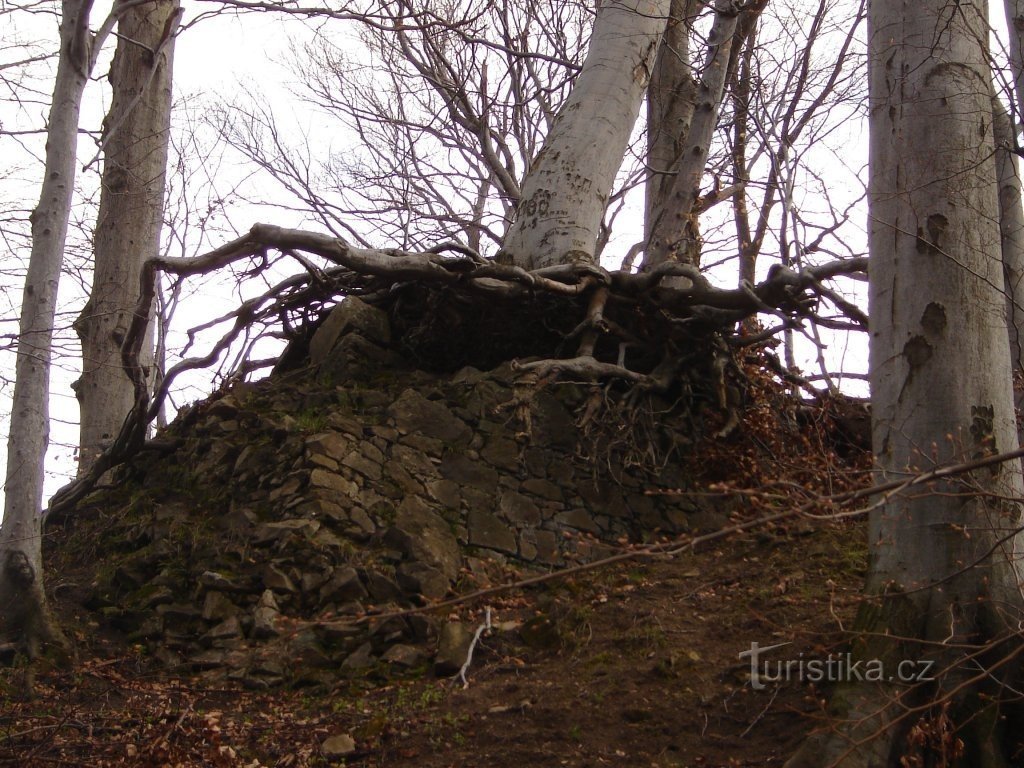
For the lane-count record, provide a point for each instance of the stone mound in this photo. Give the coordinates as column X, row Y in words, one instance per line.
column 252, row 536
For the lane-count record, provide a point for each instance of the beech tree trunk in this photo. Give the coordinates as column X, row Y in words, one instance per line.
column 564, row 194
column 1015, row 27
column 24, row 615
column 674, row 233
column 670, row 99
column 1011, row 229
column 943, row 583
column 135, row 139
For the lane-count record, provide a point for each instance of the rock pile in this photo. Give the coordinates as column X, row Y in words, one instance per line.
column 257, row 529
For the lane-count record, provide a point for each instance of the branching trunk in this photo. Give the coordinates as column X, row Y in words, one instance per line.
column 564, row 195
column 943, row 582
column 674, row 234
column 135, row 140
column 23, row 610
column 670, row 99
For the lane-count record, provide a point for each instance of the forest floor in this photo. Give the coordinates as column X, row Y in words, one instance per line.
column 632, row 665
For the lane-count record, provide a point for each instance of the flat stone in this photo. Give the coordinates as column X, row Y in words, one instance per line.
column 453, row 648
column 371, row 452
column 400, row 475
column 364, row 466
column 421, row 579
column 228, row 629
column 321, row 478
column 312, row 580
column 429, row 446
column 407, row 656
column 462, row 470
column 579, row 519
column 339, row 745
column 270, row 532
column 330, row 444
column 319, row 460
column 279, row 581
column 178, row 613
column 382, row 589
column 351, row 314
column 360, row 658
column 518, row 508
column 327, row 540
column 207, row 659
column 265, row 617
column 343, row 586
column 217, row 607
column 415, row 414
column 501, row 452
column 423, row 535
column 415, row 463
column 486, row 530
column 446, row 493
column 527, row 546
column 543, row 488
column 547, row 547
column 554, row 425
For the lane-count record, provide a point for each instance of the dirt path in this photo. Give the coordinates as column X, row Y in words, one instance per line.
column 634, row 666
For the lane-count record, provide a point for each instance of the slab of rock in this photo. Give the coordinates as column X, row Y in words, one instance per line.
column 422, row 535
column 464, row 471
column 361, row 658
column 330, row 444
column 453, row 648
column 344, row 586
column 351, row 314
column 407, row 656
column 339, row 745
column 414, row 414
column 265, row 616
column 217, row 607
column 486, row 530
column 279, row 581
column 228, row 629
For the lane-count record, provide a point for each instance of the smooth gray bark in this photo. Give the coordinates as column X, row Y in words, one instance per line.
column 1011, row 230
column 564, row 195
column 670, row 99
column 1015, row 27
column 135, row 139
column 674, row 234
column 23, row 610
column 942, row 563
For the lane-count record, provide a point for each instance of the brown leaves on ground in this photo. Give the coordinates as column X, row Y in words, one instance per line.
column 640, row 668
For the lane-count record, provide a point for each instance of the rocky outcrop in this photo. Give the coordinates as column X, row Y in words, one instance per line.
column 256, row 531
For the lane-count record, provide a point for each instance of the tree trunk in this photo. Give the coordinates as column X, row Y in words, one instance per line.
column 564, row 195
column 24, row 614
column 1015, row 28
column 670, row 99
column 943, row 582
column 674, row 234
column 1011, row 228
column 135, row 136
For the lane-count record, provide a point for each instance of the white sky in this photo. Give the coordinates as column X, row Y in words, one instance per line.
column 218, row 58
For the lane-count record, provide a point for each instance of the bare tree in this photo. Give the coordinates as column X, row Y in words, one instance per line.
column 944, row 581
column 1011, row 228
column 23, row 608
column 446, row 106
column 134, row 143
column 565, row 194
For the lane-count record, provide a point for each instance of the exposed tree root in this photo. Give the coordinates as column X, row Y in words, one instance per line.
column 643, row 330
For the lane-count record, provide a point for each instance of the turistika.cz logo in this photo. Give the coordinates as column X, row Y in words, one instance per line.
column 834, row 668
